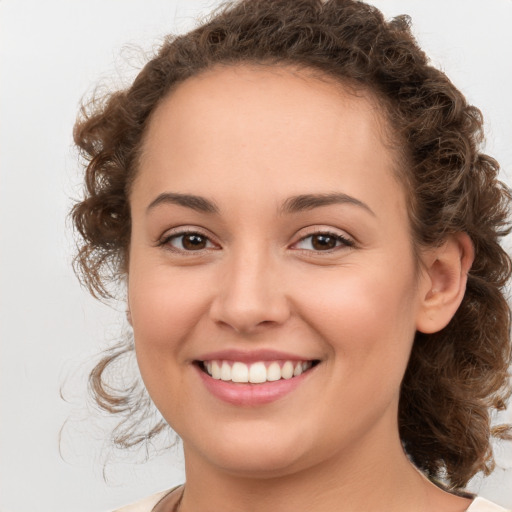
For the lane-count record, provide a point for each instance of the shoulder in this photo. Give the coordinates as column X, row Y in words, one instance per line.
column 483, row 505
column 145, row 505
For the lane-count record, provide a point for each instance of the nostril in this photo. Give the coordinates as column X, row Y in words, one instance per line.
column 249, row 307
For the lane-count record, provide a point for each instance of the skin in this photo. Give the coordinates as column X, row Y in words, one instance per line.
column 247, row 139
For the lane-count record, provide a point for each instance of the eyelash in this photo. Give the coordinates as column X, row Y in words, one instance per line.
column 340, row 240
column 166, row 241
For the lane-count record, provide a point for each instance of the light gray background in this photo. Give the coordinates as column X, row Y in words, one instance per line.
column 52, row 52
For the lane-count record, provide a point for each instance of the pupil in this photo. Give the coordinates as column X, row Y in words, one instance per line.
column 323, row 242
column 194, row 242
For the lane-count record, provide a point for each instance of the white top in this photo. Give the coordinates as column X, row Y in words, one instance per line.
column 483, row 505
column 147, row 504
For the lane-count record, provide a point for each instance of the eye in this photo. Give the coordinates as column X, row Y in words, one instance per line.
column 189, row 241
column 323, row 242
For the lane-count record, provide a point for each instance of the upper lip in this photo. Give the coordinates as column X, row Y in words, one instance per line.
column 251, row 356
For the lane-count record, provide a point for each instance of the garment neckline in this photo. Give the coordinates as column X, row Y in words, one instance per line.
column 178, row 491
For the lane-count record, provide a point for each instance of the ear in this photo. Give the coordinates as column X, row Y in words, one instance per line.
column 443, row 282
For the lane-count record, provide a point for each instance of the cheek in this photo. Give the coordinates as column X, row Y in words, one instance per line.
column 166, row 311
column 165, row 307
column 366, row 318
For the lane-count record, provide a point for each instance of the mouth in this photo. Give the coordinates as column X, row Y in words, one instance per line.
column 258, row 372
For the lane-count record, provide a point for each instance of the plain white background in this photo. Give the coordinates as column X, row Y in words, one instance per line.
column 52, row 53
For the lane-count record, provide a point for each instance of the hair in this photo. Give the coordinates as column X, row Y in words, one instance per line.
column 455, row 377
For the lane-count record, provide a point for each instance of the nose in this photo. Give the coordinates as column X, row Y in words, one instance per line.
column 250, row 295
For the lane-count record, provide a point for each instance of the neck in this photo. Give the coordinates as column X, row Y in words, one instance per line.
column 374, row 476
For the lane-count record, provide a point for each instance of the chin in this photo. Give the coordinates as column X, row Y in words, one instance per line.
column 259, row 464
column 257, row 454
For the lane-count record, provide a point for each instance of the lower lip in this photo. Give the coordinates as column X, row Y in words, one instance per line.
column 243, row 394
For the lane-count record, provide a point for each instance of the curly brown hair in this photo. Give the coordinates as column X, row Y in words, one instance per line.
column 456, row 377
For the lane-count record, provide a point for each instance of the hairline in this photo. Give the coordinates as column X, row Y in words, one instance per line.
column 382, row 107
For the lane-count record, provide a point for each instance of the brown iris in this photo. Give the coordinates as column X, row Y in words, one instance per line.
column 323, row 242
column 194, row 241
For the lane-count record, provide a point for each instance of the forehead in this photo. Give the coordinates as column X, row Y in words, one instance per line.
column 276, row 127
column 256, row 94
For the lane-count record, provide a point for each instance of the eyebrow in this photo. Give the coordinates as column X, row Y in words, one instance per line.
column 197, row 203
column 305, row 202
column 294, row 204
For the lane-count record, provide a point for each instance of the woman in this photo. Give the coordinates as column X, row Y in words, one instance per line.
column 310, row 240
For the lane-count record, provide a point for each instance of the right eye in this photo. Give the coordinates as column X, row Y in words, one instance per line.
column 188, row 241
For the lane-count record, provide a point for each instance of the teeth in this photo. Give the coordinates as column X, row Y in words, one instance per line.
column 255, row 373
column 214, row 370
column 225, row 371
column 287, row 370
column 273, row 372
column 239, row 372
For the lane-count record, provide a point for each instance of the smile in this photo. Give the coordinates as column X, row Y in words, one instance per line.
column 255, row 373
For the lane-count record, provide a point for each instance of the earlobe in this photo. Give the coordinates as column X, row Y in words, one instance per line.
column 443, row 283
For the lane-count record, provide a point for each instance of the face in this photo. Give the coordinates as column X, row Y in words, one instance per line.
column 272, row 285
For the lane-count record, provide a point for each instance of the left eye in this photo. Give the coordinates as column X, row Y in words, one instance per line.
column 323, row 242
column 189, row 242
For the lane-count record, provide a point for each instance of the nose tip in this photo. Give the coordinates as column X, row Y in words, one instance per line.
column 245, row 323
column 249, row 301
